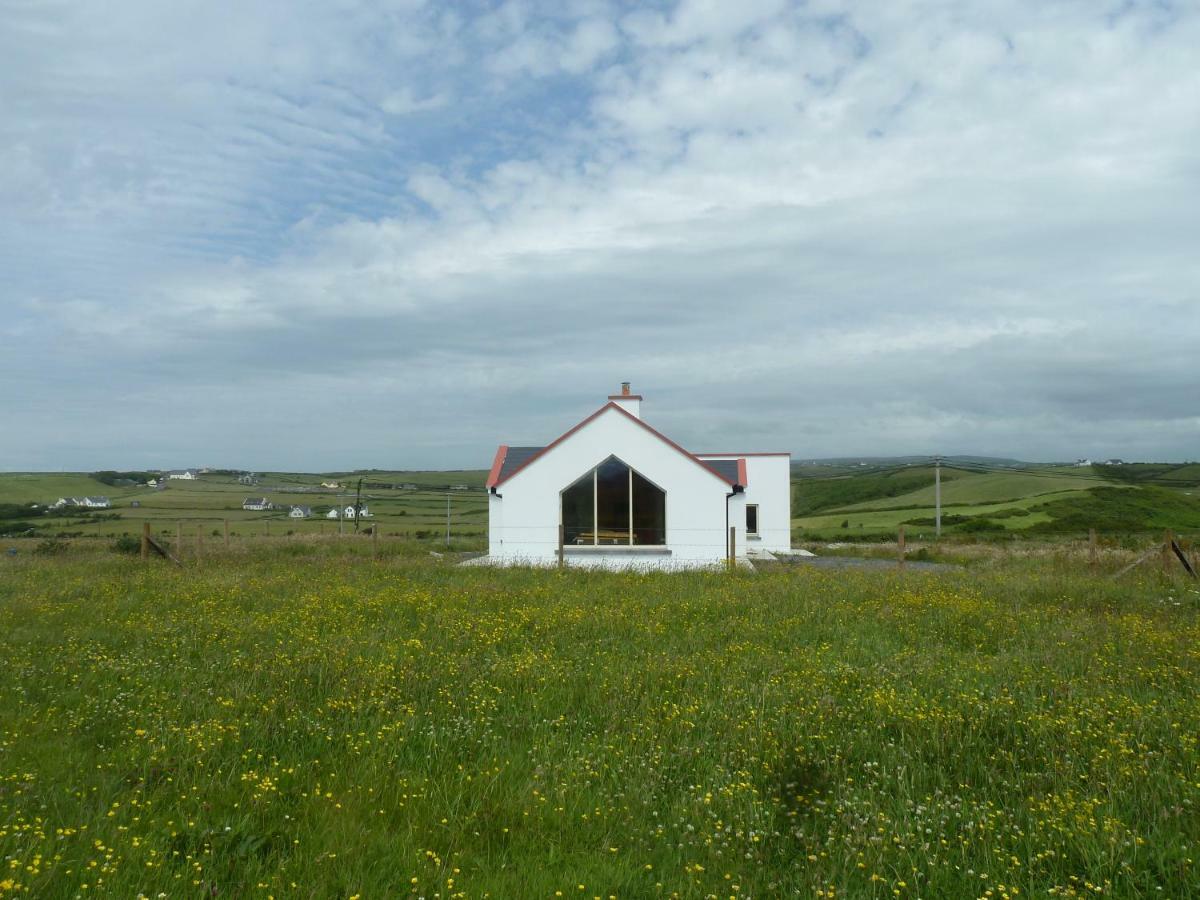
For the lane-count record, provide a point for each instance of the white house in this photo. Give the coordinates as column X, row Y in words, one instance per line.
column 625, row 496
column 95, row 502
column 363, row 513
column 182, row 475
column 300, row 512
column 258, row 504
column 333, row 513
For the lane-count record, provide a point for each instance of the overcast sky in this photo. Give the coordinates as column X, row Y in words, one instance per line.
column 277, row 235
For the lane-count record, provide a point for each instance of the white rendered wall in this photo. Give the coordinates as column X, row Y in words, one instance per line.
column 770, row 486
column 523, row 521
column 495, row 524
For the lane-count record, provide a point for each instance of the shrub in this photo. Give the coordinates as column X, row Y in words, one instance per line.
column 127, row 543
column 51, row 547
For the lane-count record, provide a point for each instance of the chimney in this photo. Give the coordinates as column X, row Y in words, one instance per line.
column 627, row 400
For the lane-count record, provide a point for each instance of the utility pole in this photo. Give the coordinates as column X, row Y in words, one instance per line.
column 937, row 495
column 447, row 518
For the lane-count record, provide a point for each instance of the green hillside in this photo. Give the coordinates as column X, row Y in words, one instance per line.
column 965, row 488
column 1051, row 500
column 1160, row 474
column 841, row 491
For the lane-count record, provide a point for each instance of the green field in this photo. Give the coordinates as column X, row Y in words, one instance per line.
column 1032, row 500
column 205, row 505
column 306, row 721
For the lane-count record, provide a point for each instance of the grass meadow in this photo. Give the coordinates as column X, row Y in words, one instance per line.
column 309, row 721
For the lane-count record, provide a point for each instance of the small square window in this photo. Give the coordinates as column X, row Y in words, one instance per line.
column 751, row 518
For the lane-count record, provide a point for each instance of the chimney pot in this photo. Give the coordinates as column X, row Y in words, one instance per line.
column 625, row 392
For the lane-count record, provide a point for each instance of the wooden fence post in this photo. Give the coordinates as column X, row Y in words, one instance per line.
column 146, row 539
column 1093, row 553
column 732, row 546
column 900, row 546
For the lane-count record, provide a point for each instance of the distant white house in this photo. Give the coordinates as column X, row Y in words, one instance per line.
column 182, row 475
column 153, row 482
column 256, row 504
column 248, row 478
column 300, row 512
column 623, row 495
column 363, row 513
column 330, row 484
column 1082, row 463
column 333, row 513
column 87, row 502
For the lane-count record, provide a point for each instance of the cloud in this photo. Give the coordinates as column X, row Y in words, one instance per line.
column 913, row 227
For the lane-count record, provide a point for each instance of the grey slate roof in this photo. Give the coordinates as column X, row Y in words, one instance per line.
column 727, row 467
column 517, row 457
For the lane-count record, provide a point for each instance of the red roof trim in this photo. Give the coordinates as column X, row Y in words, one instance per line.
column 497, row 463
column 744, row 453
column 742, row 473
column 595, row 415
column 624, row 396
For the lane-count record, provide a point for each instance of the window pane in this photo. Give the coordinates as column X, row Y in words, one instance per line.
column 649, row 512
column 612, row 502
column 751, row 518
column 577, row 512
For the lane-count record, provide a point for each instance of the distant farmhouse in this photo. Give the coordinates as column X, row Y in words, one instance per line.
column 86, row 502
column 248, row 478
column 182, row 475
column 617, row 493
column 333, row 485
column 300, row 512
column 256, row 504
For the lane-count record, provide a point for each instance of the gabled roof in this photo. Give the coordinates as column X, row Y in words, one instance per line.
column 501, row 471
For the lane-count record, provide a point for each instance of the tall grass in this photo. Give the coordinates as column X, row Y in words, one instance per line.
column 283, row 725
